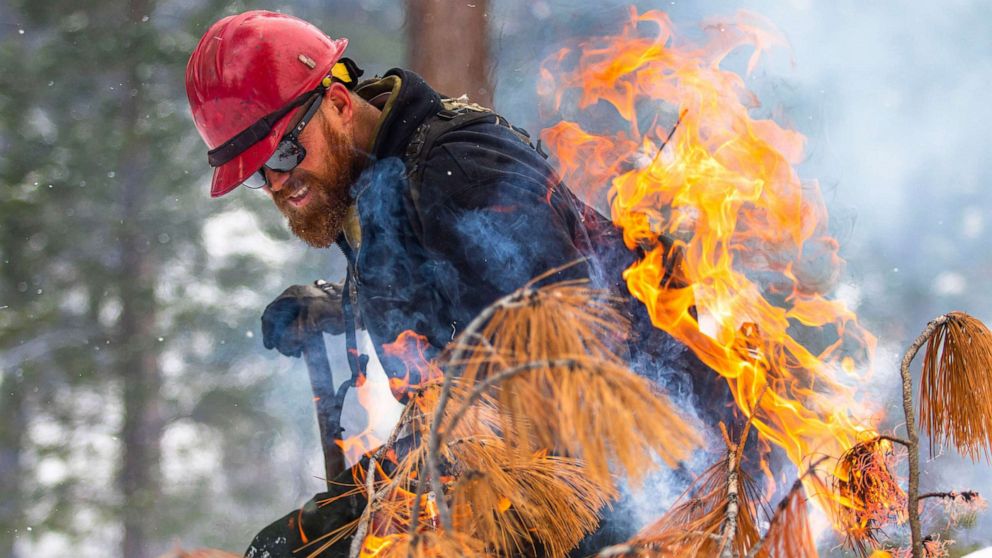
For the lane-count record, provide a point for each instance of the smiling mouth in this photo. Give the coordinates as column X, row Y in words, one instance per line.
column 300, row 197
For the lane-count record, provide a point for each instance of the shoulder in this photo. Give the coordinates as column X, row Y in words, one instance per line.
column 481, row 153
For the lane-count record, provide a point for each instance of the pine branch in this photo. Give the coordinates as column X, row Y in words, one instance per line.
column 363, row 524
column 952, row 495
column 730, row 525
column 913, row 493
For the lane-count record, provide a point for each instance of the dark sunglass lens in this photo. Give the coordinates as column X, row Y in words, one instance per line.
column 287, row 155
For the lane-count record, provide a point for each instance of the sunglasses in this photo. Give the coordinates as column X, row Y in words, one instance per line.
column 289, row 153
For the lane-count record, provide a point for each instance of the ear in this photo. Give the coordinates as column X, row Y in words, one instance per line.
column 339, row 100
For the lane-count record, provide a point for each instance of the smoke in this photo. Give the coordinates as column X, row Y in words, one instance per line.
column 893, row 100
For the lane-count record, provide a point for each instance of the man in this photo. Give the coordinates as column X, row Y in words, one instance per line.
column 441, row 207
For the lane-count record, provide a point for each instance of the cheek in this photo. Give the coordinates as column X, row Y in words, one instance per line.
column 325, row 162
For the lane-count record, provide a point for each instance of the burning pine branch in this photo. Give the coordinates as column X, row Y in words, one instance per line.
column 955, row 409
column 505, row 457
column 492, row 469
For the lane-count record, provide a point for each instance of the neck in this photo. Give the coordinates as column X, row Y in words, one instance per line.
column 366, row 122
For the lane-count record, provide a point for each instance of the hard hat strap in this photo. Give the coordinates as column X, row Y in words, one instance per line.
column 257, row 131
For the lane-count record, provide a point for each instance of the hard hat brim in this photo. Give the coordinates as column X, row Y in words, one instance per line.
column 231, row 174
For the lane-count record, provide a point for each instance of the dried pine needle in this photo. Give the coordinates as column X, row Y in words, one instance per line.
column 869, row 494
column 541, row 506
column 789, row 534
column 694, row 524
column 956, row 387
column 575, row 397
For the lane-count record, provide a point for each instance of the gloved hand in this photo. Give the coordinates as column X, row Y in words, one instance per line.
column 299, row 312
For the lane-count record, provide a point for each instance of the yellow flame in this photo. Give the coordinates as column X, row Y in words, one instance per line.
column 753, row 242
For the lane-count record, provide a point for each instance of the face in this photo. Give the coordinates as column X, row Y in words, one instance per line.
column 315, row 195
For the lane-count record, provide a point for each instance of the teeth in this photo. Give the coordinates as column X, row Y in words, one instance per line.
column 302, row 192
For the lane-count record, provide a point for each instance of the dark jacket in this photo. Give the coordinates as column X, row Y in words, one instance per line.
column 487, row 215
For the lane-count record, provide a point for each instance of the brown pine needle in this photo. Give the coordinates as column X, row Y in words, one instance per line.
column 694, row 525
column 584, row 402
column 870, row 496
column 542, row 506
column 956, row 387
column 789, row 534
column 536, row 408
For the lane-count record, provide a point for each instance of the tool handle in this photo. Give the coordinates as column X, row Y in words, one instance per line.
column 328, row 405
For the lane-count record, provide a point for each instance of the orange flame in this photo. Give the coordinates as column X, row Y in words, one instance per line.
column 410, row 351
column 751, row 236
column 407, row 354
column 354, row 447
column 390, row 521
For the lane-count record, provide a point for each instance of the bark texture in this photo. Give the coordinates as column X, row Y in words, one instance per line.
column 449, row 46
column 137, row 354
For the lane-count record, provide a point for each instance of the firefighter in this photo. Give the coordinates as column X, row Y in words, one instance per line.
column 440, row 206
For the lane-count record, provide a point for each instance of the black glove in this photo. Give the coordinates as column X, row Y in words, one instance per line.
column 323, row 514
column 299, row 312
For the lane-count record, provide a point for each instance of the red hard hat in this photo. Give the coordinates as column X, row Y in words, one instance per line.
column 245, row 67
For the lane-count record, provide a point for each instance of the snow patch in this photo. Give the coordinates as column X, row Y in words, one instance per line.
column 238, row 233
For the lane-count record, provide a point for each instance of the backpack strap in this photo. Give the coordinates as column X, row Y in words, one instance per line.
column 455, row 114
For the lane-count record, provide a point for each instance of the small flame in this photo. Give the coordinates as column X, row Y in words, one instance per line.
column 390, row 521
column 749, row 238
column 374, row 545
column 354, row 447
column 408, row 355
column 409, row 351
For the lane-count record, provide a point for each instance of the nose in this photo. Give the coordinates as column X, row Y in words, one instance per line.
column 274, row 180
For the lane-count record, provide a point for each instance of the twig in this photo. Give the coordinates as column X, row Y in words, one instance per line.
column 433, row 453
column 670, row 134
column 895, row 440
column 952, row 495
column 730, row 526
column 913, row 494
column 735, row 451
column 363, row 526
column 401, row 423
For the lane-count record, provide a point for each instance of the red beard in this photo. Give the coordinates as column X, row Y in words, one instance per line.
column 320, row 221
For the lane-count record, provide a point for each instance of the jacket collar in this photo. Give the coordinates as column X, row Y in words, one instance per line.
column 406, row 101
column 410, row 101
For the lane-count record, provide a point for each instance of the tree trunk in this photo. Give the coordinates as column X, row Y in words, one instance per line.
column 137, row 354
column 13, row 422
column 449, row 46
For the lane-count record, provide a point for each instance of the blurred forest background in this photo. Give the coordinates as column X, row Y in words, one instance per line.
column 137, row 406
